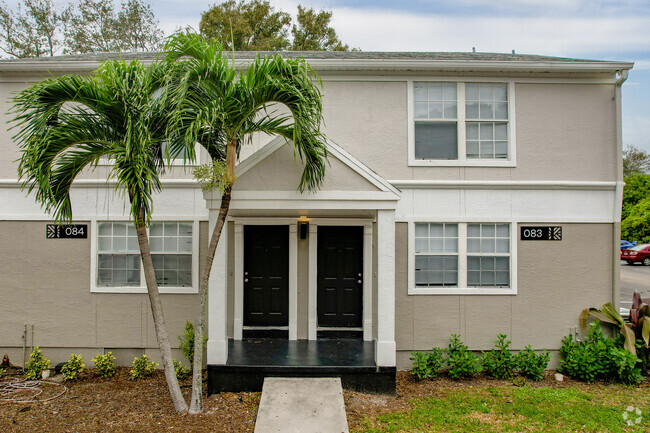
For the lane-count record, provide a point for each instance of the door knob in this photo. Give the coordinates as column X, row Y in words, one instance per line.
column 245, row 280
column 359, row 281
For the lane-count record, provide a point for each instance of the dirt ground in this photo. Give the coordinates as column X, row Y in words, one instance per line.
column 120, row 404
column 124, row 405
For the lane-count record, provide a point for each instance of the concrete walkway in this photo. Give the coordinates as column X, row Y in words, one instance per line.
column 301, row 405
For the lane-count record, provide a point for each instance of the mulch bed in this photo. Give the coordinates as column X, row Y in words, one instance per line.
column 120, row 404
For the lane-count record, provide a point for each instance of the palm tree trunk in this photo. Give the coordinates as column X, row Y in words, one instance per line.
column 158, row 319
column 196, row 401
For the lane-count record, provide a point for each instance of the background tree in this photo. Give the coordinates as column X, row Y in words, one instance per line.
column 635, row 160
column 635, row 223
column 256, row 26
column 95, row 25
column 251, row 26
column 68, row 123
column 34, row 29
column 314, row 33
column 220, row 109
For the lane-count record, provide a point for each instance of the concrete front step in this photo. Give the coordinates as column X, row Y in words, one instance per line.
column 301, row 405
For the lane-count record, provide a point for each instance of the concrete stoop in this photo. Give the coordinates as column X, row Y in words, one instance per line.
column 301, row 405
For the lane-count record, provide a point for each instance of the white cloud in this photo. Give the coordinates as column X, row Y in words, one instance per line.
column 636, row 131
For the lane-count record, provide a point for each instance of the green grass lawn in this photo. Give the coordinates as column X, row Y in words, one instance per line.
column 589, row 408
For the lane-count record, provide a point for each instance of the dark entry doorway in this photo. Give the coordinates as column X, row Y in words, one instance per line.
column 340, row 277
column 266, row 276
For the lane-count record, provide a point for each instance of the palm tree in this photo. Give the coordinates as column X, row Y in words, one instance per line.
column 220, row 109
column 68, row 123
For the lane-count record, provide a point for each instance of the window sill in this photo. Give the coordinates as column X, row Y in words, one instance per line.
column 461, row 291
column 143, row 290
column 459, row 163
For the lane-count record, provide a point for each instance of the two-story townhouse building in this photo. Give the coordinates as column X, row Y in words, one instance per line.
column 466, row 193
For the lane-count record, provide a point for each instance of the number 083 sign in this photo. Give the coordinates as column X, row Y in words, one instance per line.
column 537, row 233
column 68, row 231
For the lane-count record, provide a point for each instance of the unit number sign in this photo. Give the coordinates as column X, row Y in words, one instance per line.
column 68, row 231
column 541, row 233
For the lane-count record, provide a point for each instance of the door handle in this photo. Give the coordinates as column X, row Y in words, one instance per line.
column 359, row 281
column 245, row 280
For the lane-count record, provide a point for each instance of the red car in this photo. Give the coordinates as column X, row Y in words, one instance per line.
column 637, row 253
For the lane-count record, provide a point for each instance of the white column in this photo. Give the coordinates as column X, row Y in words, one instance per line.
column 293, row 282
column 367, row 283
column 313, row 290
column 238, row 320
column 217, row 346
column 385, row 345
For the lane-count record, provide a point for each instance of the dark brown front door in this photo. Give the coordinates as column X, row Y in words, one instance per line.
column 339, row 276
column 266, row 275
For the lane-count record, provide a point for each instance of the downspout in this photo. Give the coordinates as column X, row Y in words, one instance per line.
column 621, row 76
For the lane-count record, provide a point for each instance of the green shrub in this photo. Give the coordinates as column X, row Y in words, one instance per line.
column 105, row 365
column 500, row 363
column 142, row 367
column 427, row 365
column 187, row 342
column 2, row 372
column 624, row 364
column 598, row 357
column 36, row 364
column 181, row 371
column 73, row 368
column 531, row 364
column 462, row 363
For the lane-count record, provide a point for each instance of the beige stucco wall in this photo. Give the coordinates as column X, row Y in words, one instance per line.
column 556, row 280
column 46, row 282
column 282, row 171
column 563, row 131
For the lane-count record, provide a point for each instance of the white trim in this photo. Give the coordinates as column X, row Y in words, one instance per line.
column 462, row 288
column 293, row 281
column 502, row 184
column 217, row 346
column 142, row 288
column 238, row 317
column 367, row 282
column 385, row 347
column 95, row 183
column 462, row 160
column 312, row 312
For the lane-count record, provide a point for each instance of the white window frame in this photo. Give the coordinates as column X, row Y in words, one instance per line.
column 462, row 288
column 142, row 288
column 462, row 160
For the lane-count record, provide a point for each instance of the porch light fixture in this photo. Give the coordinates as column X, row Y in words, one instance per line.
column 303, row 227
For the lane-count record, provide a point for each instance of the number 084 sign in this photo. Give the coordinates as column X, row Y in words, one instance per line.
column 69, row 231
column 538, row 233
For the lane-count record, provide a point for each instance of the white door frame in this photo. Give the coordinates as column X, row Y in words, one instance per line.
column 238, row 316
column 314, row 223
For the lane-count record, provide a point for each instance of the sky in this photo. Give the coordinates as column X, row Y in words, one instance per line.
column 588, row 29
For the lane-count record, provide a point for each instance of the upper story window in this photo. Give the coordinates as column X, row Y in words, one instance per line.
column 462, row 124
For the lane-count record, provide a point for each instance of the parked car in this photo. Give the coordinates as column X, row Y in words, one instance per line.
column 637, row 253
column 626, row 244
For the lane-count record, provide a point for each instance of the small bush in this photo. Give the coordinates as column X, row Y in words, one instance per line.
column 2, row 372
column 187, row 342
column 142, row 367
column 624, row 366
column 462, row 363
column 36, row 364
column 427, row 365
column 105, row 365
column 73, row 368
column 181, row 371
column 532, row 365
column 500, row 363
column 598, row 357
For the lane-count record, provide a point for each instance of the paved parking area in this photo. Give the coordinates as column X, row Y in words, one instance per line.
column 634, row 278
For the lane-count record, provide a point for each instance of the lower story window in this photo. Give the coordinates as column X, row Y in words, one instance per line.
column 462, row 255
column 118, row 254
